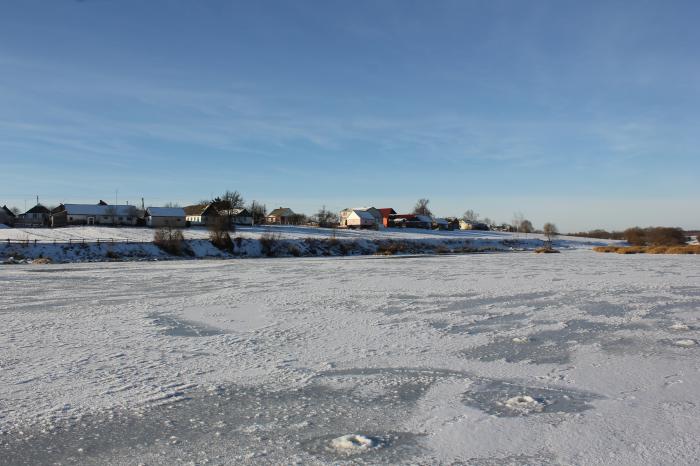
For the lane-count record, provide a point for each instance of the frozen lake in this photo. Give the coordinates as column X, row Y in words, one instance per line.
column 514, row 358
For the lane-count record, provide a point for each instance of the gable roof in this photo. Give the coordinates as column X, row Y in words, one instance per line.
column 363, row 214
column 236, row 212
column 281, row 212
column 165, row 211
column 201, row 210
column 100, row 209
column 38, row 209
column 8, row 211
column 386, row 211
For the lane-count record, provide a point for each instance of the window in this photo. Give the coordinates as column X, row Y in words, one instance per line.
column 70, row 218
column 105, row 218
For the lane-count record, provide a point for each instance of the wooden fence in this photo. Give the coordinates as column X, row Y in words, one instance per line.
column 27, row 242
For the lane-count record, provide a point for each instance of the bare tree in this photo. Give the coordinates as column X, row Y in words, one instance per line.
column 15, row 211
column 518, row 219
column 258, row 211
column 171, row 204
column 470, row 216
column 421, row 208
column 550, row 231
column 526, row 227
column 488, row 221
column 326, row 218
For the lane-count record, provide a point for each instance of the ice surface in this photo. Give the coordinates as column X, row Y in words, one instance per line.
column 572, row 358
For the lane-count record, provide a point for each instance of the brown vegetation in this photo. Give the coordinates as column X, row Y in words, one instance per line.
column 683, row 249
column 170, row 240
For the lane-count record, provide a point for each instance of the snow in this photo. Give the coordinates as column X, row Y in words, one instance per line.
column 278, row 361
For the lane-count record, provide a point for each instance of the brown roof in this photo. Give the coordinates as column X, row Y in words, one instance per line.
column 201, row 210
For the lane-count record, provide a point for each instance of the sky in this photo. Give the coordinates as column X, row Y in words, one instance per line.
column 584, row 114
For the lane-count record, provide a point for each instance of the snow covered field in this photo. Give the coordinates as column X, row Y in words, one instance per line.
column 572, row 358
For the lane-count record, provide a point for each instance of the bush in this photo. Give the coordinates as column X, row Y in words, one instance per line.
column 111, row 255
column 170, row 240
column 665, row 236
column 220, row 237
column 269, row 243
column 635, row 236
column 390, row 248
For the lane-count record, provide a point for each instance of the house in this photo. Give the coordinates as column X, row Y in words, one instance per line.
column 238, row 216
column 385, row 213
column 37, row 216
column 411, row 221
column 201, row 214
column 360, row 219
column 281, row 216
column 157, row 217
column 7, row 217
column 346, row 213
column 94, row 214
column 441, row 224
column 470, row 225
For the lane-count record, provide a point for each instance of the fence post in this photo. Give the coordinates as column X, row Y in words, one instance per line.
column 98, row 240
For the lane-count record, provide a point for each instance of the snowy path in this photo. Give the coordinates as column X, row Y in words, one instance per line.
column 574, row 358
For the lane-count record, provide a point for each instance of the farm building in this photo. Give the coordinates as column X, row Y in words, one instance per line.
column 385, row 213
column 346, row 213
column 441, row 224
column 360, row 219
column 281, row 216
column 469, row 225
column 7, row 217
column 411, row 221
column 201, row 214
column 37, row 216
column 238, row 216
column 157, row 217
column 94, row 214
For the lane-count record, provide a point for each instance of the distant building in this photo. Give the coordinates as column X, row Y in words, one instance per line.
column 441, row 224
column 37, row 216
column 157, row 217
column 239, row 216
column 281, row 216
column 411, row 221
column 7, row 217
column 346, row 213
column 94, row 214
column 385, row 213
column 360, row 219
column 469, row 225
column 201, row 214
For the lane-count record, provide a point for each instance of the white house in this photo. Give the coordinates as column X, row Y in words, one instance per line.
column 360, row 219
column 346, row 213
column 157, row 217
column 91, row 214
column 201, row 214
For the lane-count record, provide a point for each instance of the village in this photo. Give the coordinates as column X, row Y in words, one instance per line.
column 231, row 214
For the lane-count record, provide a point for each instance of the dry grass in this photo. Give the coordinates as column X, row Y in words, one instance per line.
column 546, row 250
column 687, row 249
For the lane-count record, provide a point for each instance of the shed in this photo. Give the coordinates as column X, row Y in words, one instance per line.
column 157, row 217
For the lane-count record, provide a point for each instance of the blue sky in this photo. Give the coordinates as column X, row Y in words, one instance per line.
column 580, row 113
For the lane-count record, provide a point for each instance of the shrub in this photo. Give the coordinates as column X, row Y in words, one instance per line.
column 111, row 255
column 170, row 240
column 294, row 250
column 635, row 236
column 269, row 243
column 665, row 236
column 390, row 248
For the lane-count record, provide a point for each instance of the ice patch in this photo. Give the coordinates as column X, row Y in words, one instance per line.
column 355, row 443
column 685, row 343
column 678, row 326
column 520, row 340
column 524, row 404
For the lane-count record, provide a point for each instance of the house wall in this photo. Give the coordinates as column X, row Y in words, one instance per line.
column 159, row 222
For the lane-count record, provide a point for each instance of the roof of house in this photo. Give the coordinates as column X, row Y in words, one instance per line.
column 424, row 218
column 165, row 211
column 201, row 209
column 100, row 209
column 281, row 212
column 38, row 209
column 386, row 211
column 442, row 221
column 8, row 211
column 363, row 214
column 238, row 211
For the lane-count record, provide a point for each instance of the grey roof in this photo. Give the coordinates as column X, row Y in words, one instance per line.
column 165, row 211
column 106, row 210
column 363, row 214
column 38, row 209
